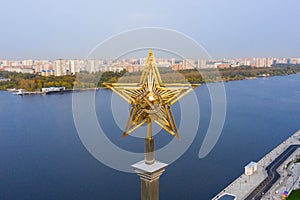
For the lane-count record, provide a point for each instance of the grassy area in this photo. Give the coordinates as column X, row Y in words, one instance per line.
column 297, row 161
column 287, row 166
column 295, row 195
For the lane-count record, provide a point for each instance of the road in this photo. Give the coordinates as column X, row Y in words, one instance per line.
column 273, row 175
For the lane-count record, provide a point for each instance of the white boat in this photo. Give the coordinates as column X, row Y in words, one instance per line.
column 53, row 90
column 264, row 75
column 21, row 92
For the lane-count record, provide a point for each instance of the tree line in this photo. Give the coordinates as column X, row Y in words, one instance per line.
column 32, row 82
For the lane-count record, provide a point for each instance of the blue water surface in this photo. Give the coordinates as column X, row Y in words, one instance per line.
column 42, row 157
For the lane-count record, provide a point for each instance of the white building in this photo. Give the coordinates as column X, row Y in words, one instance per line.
column 27, row 70
column 74, row 66
column 28, row 62
column 202, row 63
column 188, row 63
column 173, row 61
column 250, row 168
column 59, row 67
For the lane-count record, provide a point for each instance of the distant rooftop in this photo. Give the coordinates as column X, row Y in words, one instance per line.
column 251, row 164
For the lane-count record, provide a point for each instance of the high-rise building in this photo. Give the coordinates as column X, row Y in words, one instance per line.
column 60, row 67
column 188, row 63
column 172, row 61
column 74, row 66
column 28, row 62
column 201, row 63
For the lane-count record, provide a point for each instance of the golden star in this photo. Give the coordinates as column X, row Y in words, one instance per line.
column 150, row 99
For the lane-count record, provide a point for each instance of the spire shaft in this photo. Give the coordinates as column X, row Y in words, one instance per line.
column 149, row 145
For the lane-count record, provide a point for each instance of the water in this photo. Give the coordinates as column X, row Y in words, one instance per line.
column 42, row 157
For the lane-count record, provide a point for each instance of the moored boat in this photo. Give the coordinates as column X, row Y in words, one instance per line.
column 53, row 90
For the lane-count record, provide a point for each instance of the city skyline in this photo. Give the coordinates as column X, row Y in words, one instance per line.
column 70, row 29
column 60, row 67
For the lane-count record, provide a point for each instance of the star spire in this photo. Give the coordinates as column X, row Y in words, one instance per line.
column 150, row 99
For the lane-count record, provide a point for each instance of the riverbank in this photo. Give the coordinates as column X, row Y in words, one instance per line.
column 34, row 82
column 242, row 186
column 25, row 92
column 14, row 90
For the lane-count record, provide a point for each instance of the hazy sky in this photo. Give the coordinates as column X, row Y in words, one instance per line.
column 48, row 29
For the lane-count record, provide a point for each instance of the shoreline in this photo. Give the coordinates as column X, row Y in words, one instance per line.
column 243, row 185
column 103, row 88
column 67, row 90
column 32, row 82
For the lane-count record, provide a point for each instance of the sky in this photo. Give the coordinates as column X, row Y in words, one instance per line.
column 69, row 29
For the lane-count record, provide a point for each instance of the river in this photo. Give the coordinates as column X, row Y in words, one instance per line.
column 42, row 157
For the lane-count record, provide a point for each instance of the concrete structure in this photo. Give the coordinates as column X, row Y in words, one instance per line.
column 134, row 68
column 201, row 63
column 250, row 168
column 149, row 175
column 188, row 63
column 27, row 70
column 149, row 170
column 177, row 67
column 289, row 180
column 59, row 67
column 244, row 185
